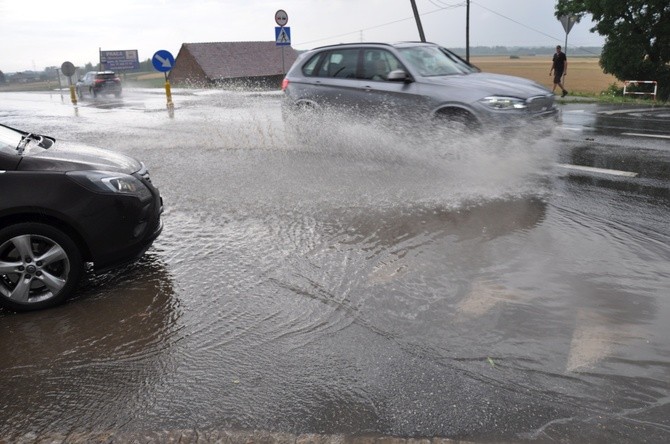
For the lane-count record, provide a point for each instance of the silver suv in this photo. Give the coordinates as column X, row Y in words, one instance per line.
column 412, row 82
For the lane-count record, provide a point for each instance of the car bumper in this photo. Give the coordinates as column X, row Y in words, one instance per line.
column 132, row 253
column 130, row 228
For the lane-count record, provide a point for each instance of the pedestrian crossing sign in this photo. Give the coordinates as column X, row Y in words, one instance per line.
column 283, row 35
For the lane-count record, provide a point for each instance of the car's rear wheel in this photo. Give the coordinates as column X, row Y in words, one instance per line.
column 40, row 266
column 300, row 120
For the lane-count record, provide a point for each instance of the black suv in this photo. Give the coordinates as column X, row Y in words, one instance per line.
column 99, row 82
column 66, row 208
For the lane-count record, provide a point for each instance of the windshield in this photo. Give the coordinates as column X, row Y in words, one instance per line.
column 435, row 61
column 9, row 140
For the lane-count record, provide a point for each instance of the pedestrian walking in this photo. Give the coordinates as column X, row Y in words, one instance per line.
column 559, row 68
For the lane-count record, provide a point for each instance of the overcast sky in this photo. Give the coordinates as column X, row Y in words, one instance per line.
column 35, row 34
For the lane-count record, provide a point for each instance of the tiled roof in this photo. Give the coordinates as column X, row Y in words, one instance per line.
column 222, row 60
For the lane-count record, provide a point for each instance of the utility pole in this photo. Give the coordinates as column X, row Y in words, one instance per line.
column 418, row 21
column 467, row 32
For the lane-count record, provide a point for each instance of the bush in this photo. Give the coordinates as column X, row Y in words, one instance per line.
column 612, row 91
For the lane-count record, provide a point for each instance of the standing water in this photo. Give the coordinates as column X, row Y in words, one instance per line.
column 352, row 278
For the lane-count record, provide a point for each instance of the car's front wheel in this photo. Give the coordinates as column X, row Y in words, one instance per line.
column 40, row 266
column 458, row 120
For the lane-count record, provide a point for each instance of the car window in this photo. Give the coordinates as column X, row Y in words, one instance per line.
column 339, row 63
column 9, row 140
column 378, row 63
column 433, row 61
column 308, row 69
column 107, row 75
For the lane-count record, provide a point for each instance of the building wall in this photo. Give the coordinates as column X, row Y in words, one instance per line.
column 264, row 83
column 187, row 71
column 250, row 65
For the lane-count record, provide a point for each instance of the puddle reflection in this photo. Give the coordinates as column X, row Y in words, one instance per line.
column 97, row 352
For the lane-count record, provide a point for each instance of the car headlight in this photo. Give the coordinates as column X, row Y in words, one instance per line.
column 503, row 103
column 109, row 182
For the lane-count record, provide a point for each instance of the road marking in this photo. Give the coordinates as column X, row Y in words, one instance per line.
column 654, row 136
column 597, row 170
column 624, row 111
column 590, row 344
column 596, row 338
column 484, row 296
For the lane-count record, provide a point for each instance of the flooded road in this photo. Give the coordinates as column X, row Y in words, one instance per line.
column 357, row 280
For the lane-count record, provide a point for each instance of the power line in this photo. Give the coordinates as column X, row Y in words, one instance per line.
column 512, row 20
column 440, row 8
column 527, row 27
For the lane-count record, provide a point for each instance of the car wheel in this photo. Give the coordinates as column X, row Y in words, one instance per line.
column 40, row 266
column 300, row 121
column 457, row 120
column 93, row 92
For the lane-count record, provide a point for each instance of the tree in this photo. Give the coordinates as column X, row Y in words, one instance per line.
column 637, row 37
column 2, row 77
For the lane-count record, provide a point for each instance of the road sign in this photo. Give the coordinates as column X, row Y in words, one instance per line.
column 162, row 61
column 120, row 60
column 283, row 35
column 568, row 21
column 281, row 17
column 67, row 68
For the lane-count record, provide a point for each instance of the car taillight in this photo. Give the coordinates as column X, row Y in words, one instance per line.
column 284, row 84
column 99, row 81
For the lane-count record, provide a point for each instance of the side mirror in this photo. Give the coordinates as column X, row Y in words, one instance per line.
column 399, row 76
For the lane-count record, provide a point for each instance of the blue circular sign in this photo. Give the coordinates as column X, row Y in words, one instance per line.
column 163, row 61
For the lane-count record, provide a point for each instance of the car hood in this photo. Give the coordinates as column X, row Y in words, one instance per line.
column 63, row 156
column 487, row 84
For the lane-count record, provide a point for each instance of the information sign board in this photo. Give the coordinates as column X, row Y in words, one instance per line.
column 123, row 60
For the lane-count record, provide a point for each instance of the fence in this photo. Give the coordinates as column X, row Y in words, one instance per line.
column 636, row 83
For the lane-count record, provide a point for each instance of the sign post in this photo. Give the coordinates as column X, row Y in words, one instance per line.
column 164, row 62
column 68, row 69
column 282, row 34
column 568, row 21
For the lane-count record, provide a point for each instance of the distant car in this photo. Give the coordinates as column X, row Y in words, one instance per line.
column 66, row 208
column 95, row 83
column 411, row 82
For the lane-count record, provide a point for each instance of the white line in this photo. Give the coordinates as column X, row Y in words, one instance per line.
column 623, row 111
column 597, row 170
column 654, row 136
